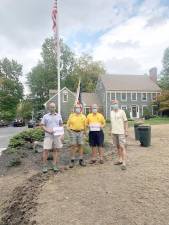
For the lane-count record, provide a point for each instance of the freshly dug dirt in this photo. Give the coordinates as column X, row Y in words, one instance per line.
column 105, row 195
column 22, row 203
column 97, row 194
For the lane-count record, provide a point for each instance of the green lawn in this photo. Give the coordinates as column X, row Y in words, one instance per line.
column 153, row 121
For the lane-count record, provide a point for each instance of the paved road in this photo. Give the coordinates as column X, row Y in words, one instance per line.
column 5, row 135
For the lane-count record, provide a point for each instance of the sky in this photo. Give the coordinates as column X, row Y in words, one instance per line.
column 128, row 36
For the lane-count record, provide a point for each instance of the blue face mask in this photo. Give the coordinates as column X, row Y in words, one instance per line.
column 115, row 106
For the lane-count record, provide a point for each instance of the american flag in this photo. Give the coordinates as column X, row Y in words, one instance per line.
column 54, row 16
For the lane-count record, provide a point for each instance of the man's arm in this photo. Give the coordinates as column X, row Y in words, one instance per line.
column 125, row 123
column 126, row 127
column 47, row 130
column 103, row 122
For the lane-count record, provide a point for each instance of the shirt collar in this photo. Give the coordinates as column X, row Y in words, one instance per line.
column 53, row 114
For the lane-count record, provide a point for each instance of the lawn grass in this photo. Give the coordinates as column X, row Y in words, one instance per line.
column 152, row 121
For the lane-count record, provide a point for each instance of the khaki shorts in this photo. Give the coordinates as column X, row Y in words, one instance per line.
column 52, row 142
column 119, row 139
column 76, row 138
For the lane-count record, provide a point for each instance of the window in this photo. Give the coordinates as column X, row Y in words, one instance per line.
column 144, row 97
column 153, row 96
column 65, row 97
column 113, row 96
column 124, row 107
column 87, row 110
column 123, row 96
column 134, row 96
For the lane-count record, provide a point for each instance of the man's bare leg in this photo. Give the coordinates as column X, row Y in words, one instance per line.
column 72, row 155
column 44, row 159
column 119, row 152
column 45, row 156
column 55, row 160
column 55, row 156
column 94, row 153
column 81, row 153
column 101, row 152
column 124, row 154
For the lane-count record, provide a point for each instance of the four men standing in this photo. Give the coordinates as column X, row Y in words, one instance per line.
column 77, row 125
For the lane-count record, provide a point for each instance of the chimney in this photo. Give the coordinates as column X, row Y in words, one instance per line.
column 153, row 74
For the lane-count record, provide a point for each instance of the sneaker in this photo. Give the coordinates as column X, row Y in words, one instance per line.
column 72, row 163
column 93, row 161
column 82, row 162
column 55, row 168
column 44, row 169
column 101, row 161
column 118, row 163
column 123, row 167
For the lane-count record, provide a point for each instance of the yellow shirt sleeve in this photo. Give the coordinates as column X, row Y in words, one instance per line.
column 87, row 120
column 103, row 120
column 68, row 122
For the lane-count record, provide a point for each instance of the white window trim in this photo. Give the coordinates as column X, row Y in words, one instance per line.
column 124, row 106
column 113, row 92
column 134, row 100
column 143, row 107
column 137, row 111
column 123, row 100
column 152, row 96
column 65, row 92
column 86, row 107
column 142, row 96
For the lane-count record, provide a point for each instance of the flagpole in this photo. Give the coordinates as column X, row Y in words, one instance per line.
column 57, row 46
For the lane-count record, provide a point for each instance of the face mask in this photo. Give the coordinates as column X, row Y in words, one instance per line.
column 94, row 110
column 77, row 110
column 115, row 106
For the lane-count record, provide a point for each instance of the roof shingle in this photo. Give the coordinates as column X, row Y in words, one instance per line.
column 129, row 83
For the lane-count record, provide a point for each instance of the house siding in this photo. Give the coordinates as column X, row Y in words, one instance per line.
column 129, row 103
column 66, row 107
column 101, row 93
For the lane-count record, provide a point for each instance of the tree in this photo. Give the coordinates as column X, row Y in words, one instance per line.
column 10, row 69
column 24, row 110
column 163, row 101
column 11, row 90
column 43, row 77
column 88, row 71
column 164, row 82
column 67, row 58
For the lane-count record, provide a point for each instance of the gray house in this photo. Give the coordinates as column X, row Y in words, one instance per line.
column 134, row 92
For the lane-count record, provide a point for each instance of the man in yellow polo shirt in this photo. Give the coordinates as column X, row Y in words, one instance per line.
column 76, row 126
column 96, row 122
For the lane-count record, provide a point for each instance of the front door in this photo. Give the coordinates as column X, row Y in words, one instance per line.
column 134, row 110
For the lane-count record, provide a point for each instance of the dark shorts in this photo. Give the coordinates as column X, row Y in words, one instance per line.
column 96, row 138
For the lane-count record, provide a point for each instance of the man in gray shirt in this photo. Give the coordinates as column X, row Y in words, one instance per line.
column 50, row 122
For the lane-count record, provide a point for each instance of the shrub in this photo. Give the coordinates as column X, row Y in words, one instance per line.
column 127, row 113
column 30, row 135
column 15, row 161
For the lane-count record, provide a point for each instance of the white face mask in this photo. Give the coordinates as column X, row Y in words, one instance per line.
column 94, row 110
column 77, row 110
column 115, row 106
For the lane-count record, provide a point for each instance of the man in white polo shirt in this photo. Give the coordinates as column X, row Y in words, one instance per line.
column 53, row 126
column 119, row 131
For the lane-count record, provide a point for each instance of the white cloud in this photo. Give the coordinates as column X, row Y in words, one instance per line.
column 135, row 37
column 141, row 46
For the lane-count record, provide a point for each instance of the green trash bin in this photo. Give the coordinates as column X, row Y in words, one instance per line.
column 136, row 125
column 144, row 132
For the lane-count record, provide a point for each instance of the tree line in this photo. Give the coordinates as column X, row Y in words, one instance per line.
column 43, row 77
